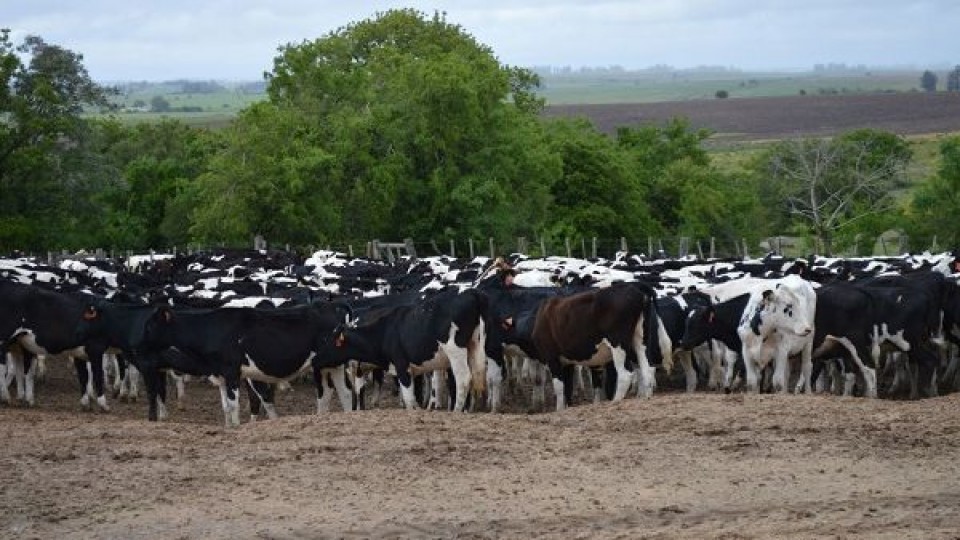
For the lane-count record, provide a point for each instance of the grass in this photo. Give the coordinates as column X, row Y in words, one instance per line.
column 639, row 88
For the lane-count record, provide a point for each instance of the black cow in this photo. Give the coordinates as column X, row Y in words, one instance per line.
column 445, row 329
column 618, row 323
column 718, row 322
column 35, row 321
column 265, row 346
column 673, row 312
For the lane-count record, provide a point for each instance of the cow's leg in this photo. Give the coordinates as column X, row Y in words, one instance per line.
column 338, row 376
column 495, row 377
column 83, row 377
column 781, row 370
column 436, row 383
column 113, row 376
column 19, row 373
column 806, row 371
column 686, row 361
column 324, row 390
column 254, row 399
column 265, row 395
column 4, row 383
column 229, row 399
column 41, row 372
column 538, row 380
column 559, row 390
column 869, row 374
column 460, row 365
column 155, row 382
column 95, row 357
column 358, row 386
column 132, row 380
column 752, row 372
column 405, row 381
column 377, row 383
column 30, row 373
column 180, row 382
column 624, row 376
column 730, row 360
column 925, row 362
column 598, row 378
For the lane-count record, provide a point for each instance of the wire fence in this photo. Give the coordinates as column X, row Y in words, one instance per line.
column 888, row 244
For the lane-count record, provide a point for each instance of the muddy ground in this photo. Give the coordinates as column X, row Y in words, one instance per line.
column 675, row 466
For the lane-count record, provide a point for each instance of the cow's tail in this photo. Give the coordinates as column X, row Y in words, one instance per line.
column 476, row 347
column 651, row 330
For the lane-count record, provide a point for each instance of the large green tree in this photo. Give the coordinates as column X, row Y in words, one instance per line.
column 401, row 124
column 934, row 205
column 154, row 164
column 599, row 192
column 652, row 150
column 47, row 173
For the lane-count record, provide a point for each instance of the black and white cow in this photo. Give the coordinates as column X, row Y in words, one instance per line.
column 35, row 321
column 226, row 344
column 445, row 329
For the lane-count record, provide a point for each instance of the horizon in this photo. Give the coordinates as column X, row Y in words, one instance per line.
column 237, row 40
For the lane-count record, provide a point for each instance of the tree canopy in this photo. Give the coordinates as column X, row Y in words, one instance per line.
column 405, row 125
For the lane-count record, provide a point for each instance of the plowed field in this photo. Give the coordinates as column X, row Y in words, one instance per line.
column 782, row 117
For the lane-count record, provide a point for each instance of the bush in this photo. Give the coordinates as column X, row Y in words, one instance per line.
column 722, row 94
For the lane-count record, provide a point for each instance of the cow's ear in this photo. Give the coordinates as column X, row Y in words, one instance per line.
column 167, row 315
column 340, row 340
column 711, row 314
column 767, row 295
column 90, row 313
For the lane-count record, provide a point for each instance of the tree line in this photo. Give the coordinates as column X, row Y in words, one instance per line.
column 404, row 125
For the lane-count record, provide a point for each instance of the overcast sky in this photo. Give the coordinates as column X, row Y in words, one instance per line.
column 237, row 39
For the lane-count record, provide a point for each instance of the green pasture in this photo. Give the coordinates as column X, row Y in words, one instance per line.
column 636, row 88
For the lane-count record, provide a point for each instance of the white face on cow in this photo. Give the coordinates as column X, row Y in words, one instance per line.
column 781, row 309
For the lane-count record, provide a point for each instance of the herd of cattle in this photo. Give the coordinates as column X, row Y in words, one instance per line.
column 873, row 327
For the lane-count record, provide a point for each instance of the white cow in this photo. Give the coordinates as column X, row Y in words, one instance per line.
column 778, row 323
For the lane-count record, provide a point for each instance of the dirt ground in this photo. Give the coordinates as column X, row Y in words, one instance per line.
column 674, row 466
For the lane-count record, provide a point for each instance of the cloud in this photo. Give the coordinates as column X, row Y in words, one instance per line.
column 222, row 39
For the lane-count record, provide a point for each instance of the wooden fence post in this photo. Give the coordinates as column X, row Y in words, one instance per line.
column 623, row 244
column 493, row 253
column 543, row 248
column 566, row 242
column 746, row 252
column 470, row 243
column 453, row 248
column 650, row 247
column 713, row 247
column 593, row 248
column 411, row 249
column 522, row 245
column 699, row 250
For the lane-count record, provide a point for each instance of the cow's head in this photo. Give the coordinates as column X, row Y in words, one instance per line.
column 780, row 309
column 700, row 327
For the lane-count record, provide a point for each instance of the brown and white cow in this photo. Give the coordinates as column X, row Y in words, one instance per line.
column 617, row 323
